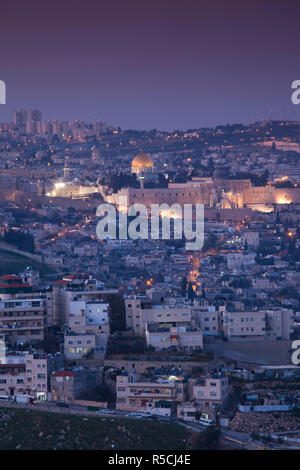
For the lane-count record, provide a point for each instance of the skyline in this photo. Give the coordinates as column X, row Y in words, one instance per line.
column 110, row 125
column 147, row 66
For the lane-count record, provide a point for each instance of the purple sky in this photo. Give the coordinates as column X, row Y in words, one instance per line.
column 157, row 64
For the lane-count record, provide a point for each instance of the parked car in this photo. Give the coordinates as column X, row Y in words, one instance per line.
column 145, row 414
column 206, row 422
column 112, row 412
column 135, row 415
column 5, row 398
column 23, row 399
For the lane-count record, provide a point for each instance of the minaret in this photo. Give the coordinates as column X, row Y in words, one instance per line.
column 66, row 168
column 142, row 180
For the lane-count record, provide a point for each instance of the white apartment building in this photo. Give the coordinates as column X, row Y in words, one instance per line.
column 87, row 328
column 136, row 393
column 164, row 325
column 279, row 323
column 73, row 288
column 22, row 320
column 263, row 283
column 208, row 318
column 209, row 391
column 250, row 324
column 206, row 396
column 140, row 312
column 239, row 260
column 86, row 250
column 183, row 337
column 77, row 345
column 252, row 239
column 88, row 316
column 22, row 374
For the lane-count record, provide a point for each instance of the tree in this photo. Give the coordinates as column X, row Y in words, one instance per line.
column 122, row 180
column 181, row 177
column 211, row 165
column 277, row 219
column 101, row 392
column 117, row 317
column 51, row 342
column 209, row 439
column 191, row 293
column 23, row 241
column 183, row 286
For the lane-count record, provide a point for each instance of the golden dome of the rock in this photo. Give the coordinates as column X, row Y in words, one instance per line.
column 142, row 161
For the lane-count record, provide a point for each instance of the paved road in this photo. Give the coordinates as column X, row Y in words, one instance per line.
column 235, row 439
column 74, row 410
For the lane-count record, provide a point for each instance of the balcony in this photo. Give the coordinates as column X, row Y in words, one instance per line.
column 155, row 392
column 20, row 326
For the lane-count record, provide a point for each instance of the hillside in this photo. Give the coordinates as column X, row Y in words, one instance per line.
column 13, row 263
column 30, row 429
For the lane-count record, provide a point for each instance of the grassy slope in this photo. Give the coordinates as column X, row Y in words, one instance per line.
column 28, row 429
column 13, row 263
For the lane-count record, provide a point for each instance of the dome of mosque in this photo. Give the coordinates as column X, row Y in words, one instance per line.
column 142, row 161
